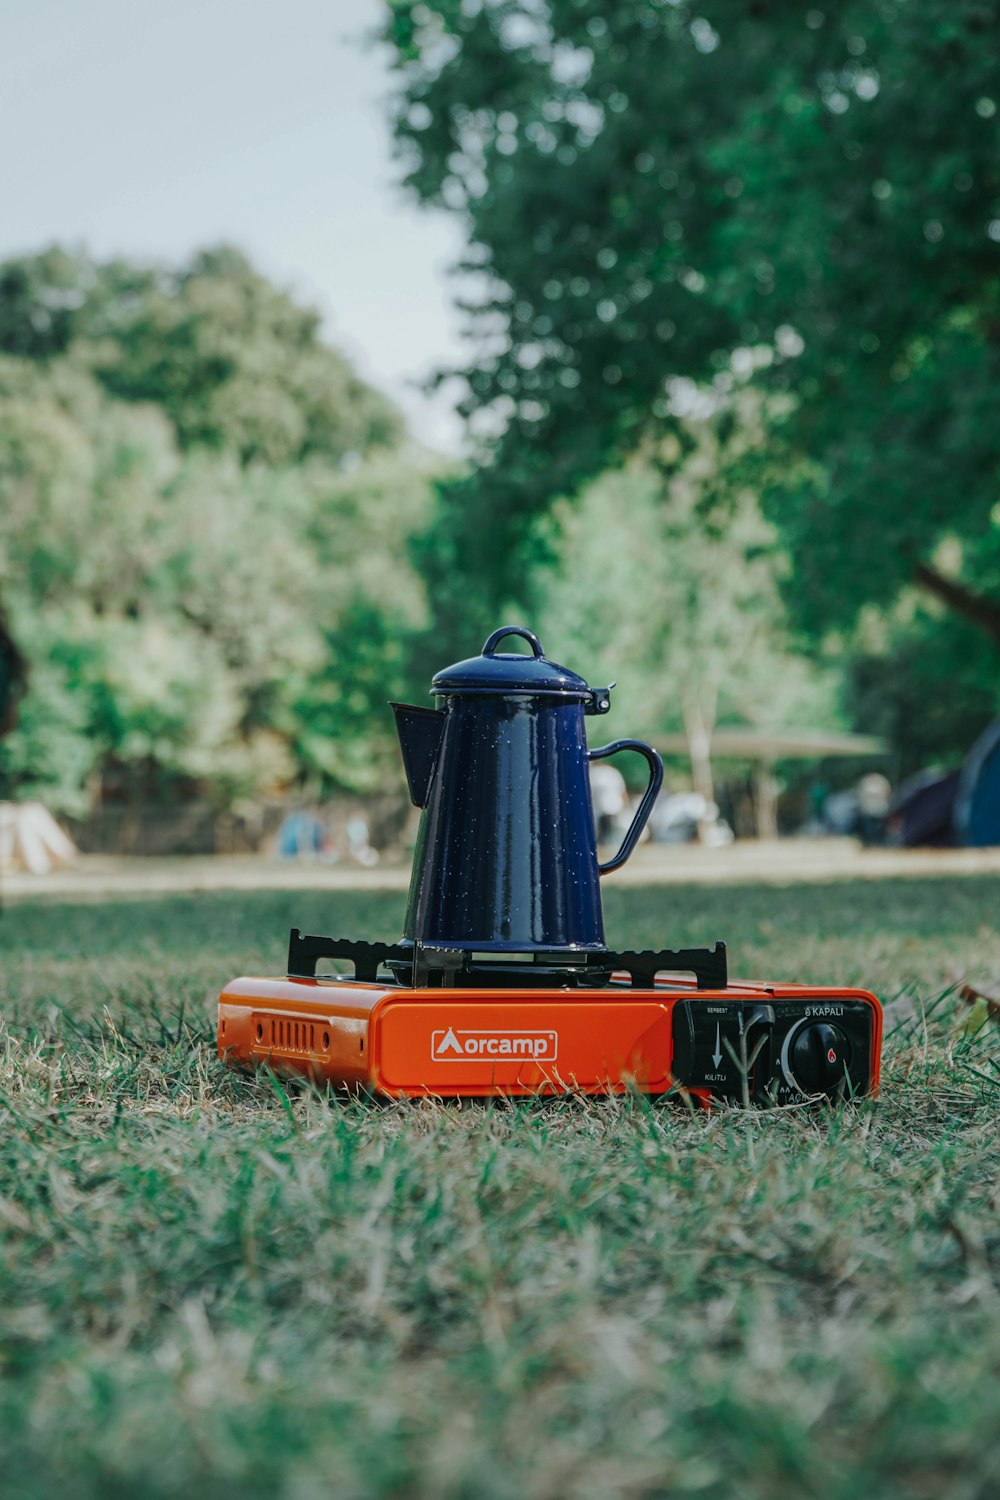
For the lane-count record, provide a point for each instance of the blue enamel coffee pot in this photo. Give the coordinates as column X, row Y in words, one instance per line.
column 506, row 858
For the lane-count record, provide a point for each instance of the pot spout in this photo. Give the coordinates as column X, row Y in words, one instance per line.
column 420, row 731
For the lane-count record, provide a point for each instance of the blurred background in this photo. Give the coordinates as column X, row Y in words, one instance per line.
column 333, row 335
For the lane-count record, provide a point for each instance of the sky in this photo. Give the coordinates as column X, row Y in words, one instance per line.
column 150, row 128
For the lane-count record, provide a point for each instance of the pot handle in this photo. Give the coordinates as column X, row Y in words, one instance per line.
column 645, row 807
column 491, row 645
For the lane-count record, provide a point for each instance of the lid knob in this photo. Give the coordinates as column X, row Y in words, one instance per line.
column 490, row 649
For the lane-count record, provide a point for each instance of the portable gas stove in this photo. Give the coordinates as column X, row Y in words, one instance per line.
column 503, row 984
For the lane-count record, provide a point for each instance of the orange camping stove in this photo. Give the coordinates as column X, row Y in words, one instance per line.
column 480, row 1027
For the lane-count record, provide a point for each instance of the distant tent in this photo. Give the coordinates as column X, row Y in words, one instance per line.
column 31, row 839
column 922, row 811
column 977, row 804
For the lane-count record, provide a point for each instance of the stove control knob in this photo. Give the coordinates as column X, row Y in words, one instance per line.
column 816, row 1057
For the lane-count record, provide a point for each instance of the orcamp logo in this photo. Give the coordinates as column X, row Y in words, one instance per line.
column 454, row 1045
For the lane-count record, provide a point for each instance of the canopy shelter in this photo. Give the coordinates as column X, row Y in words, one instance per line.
column 786, row 744
column 764, row 747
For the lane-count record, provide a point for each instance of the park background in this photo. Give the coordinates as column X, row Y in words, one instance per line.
column 692, row 368
column 716, row 285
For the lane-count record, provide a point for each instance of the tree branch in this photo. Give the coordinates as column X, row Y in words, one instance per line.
column 978, row 609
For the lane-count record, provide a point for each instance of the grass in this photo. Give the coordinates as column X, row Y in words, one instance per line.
column 213, row 1285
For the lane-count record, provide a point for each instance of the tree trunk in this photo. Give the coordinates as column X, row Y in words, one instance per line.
column 766, row 800
column 698, row 726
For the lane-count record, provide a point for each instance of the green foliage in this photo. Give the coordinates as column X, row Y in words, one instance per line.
column 40, row 301
column 672, row 583
column 660, row 191
column 922, row 677
column 215, row 1285
column 186, row 570
column 232, row 360
column 49, row 753
column 360, row 535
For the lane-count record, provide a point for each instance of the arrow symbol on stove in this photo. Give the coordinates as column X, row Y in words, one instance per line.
column 717, row 1054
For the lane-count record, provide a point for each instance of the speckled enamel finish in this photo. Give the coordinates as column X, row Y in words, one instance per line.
column 506, row 858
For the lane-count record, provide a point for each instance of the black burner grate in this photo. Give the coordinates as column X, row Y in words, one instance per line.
column 419, row 967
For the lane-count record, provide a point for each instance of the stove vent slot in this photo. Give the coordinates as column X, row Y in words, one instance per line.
column 290, row 1035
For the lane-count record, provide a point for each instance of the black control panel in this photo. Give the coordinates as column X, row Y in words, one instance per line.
column 772, row 1051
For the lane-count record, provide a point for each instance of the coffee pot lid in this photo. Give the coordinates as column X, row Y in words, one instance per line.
column 511, row 672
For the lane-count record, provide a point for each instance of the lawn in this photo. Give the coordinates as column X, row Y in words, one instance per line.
column 213, row 1285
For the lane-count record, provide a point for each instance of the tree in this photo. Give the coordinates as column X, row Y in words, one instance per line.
column 673, row 586
column 660, row 190
column 233, row 361
column 186, row 585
